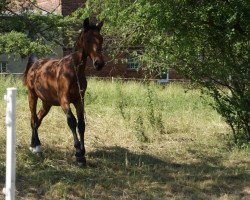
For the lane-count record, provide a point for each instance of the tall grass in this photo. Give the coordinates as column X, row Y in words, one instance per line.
column 143, row 141
column 149, row 107
column 12, row 81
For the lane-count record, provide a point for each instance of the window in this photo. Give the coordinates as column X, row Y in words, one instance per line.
column 132, row 63
column 3, row 66
column 163, row 77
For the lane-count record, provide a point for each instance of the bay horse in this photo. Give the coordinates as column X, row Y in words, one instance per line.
column 59, row 83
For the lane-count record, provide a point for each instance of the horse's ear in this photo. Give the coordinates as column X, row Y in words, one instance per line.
column 86, row 24
column 99, row 25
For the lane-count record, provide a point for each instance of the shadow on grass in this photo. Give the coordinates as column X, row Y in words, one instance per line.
column 117, row 173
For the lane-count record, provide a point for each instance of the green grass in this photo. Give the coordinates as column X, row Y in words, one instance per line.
column 143, row 141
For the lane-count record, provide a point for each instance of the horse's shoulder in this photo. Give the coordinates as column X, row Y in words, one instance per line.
column 45, row 63
column 66, row 69
column 66, row 60
column 66, row 63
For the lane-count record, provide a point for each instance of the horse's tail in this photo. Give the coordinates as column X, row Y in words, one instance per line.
column 32, row 59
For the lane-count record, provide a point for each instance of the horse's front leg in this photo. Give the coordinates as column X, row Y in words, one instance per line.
column 81, row 124
column 71, row 120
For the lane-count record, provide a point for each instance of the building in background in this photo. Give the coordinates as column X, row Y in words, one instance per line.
column 119, row 68
column 15, row 64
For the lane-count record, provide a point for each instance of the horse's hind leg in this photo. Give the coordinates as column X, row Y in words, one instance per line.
column 36, row 120
column 41, row 114
column 35, row 142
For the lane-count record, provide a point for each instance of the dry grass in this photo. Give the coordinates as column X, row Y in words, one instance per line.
column 187, row 154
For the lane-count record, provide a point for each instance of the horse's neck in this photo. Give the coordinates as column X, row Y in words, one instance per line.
column 79, row 62
column 80, row 53
column 80, row 57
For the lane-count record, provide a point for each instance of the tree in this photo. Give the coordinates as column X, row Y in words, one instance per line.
column 23, row 31
column 26, row 28
column 205, row 41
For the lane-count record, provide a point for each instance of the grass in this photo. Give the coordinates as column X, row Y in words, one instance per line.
column 143, row 141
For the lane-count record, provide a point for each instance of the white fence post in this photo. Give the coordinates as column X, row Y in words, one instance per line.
column 10, row 186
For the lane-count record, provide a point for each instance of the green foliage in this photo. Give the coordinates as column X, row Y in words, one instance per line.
column 140, row 129
column 205, row 41
column 154, row 108
column 142, row 106
column 19, row 43
column 12, row 81
column 122, row 102
column 28, row 30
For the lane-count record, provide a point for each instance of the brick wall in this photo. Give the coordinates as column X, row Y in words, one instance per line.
column 113, row 70
column 50, row 5
column 69, row 6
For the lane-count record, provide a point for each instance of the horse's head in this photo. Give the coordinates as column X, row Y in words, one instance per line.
column 91, row 40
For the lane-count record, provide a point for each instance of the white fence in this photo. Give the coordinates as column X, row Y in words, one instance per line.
column 10, row 99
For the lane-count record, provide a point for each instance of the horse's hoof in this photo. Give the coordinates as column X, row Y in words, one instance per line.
column 81, row 161
column 36, row 149
column 80, row 164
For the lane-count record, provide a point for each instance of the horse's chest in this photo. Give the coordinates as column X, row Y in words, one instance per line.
column 74, row 93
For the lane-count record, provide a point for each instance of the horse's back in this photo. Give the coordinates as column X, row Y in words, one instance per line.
column 42, row 79
column 40, row 70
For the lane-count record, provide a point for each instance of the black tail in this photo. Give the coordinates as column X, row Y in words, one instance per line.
column 31, row 61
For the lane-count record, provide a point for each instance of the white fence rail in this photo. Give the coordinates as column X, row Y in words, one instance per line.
column 10, row 187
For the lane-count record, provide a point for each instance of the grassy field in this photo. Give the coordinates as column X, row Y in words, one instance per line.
column 143, row 141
